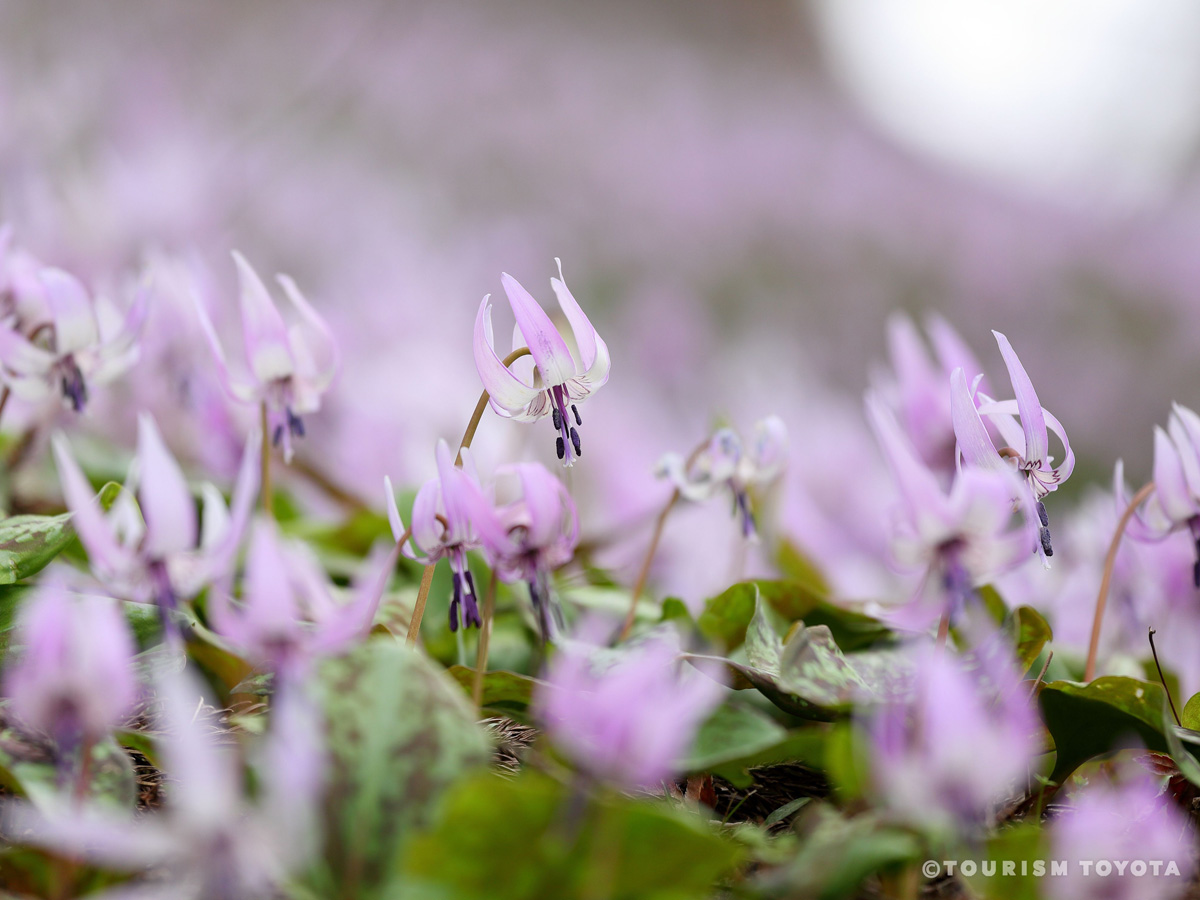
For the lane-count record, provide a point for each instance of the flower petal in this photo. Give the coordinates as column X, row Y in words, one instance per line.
column 545, row 343
column 75, row 325
column 393, row 512
column 263, row 330
column 1032, row 421
column 315, row 345
column 1170, row 485
column 585, row 334
column 508, row 394
column 22, row 357
column 163, row 495
column 104, row 552
column 973, row 440
column 918, row 486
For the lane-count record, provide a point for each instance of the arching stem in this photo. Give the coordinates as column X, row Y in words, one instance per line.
column 644, row 573
column 1089, row 670
column 485, row 636
column 943, row 629
column 414, row 626
column 268, row 501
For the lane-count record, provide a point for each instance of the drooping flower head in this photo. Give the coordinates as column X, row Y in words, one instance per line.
column 960, row 537
column 1027, row 444
column 289, row 366
column 558, row 380
column 73, row 340
column 289, row 614
column 626, row 716
column 537, row 533
column 157, row 550
column 1122, row 822
column 1175, row 503
column 74, row 677
column 960, row 742
column 724, row 462
column 446, row 518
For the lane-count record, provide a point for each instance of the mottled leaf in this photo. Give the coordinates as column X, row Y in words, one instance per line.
column 733, row 732
column 399, row 731
column 30, row 771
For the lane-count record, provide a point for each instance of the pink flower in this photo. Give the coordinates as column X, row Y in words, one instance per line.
column 628, row 715
column 559, row 380
column 290, row 366
column 156, row 550
column 533, row 535
column 74, row 677
column 448, row 514
column 289, row 614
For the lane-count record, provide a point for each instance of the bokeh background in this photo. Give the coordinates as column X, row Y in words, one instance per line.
column 741, row 192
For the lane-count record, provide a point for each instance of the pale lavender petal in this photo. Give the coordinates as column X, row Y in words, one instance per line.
column 1169, row 482
column 952, row 351
column 545, row 343
column 263, row 329
column 974, row 442
column 317, row 344
column 1140, row 526
column 354, row 620
column 104, row 552
column 164, row 498
column 1032, row 421
column 235, row 387
column 22, row 357
column 1184, row 429
column 918, row 485
column 393, row 512
column 426, row 530
column 585, row 334
column 508, row 394
column 74, row 319
column 768, row 448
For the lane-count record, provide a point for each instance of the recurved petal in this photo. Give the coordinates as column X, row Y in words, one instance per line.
column 427, row 531
column 1033, row 423
column 164, row 498
column 354, row 620
column 1184, row 428
column 235, row 387
column 952, row 351
column 263, row 330
column 269, row 596
column 974, row 442
column 585, row 334
column 508, row 394
column 545, row 343
column 314, row 343
column 1143, row 524
column 22, row 357
column 918, row 486
column 75, row 325
column 393, row 511
column 768, row 448
column 1170, row 485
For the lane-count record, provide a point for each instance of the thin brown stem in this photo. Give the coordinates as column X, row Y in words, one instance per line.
column 414, row 624
column 1089, row 670
column 268, row 501
column 485, row 637
column 1042, row 674
column 1162, row 678
column 644, row 573
column 477, row 416
column 943, row 629
column 330, row 487
column 4, row 395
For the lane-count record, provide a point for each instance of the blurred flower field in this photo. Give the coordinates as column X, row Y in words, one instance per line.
column 652, row 473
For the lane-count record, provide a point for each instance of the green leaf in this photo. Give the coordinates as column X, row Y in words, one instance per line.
column 1190, row 717
column 732, row 732
column 500, row 688
column 1177, row 737
column 528, row 838
column 1031, row 633
column 29, row 543
column 1088, row 720
column 1017, row 845
column 802, row 745
column 798, row 566
column 399, row 732
column 11, row 598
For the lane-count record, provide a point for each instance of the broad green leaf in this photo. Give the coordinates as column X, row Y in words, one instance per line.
column 528, row 838
column 399, row 732
column 802, row 745
column 1019, row 847
column 500, row 688
column 1189, row 717
column 798, row 566
column 732, row 732
column 1031, row 633
column 29, row 543
column 1087, row 720
column 1178, row 740
column 11, row 598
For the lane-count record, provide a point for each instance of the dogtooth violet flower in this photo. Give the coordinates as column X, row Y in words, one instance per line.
column 208, row 840
column 1028, row 447
column 957, row 744
column 532, row 536
column 625, row 716
column 558, row 380
column 289, row 614
column 960, row 537
column 917, row 390
column 289, row 366
column 446, row 516
column 73, row 678
column 163, row 554
column 1175, row 502
column 71, row 341
column 725, row 463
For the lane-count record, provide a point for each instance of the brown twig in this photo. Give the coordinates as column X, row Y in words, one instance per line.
column 1110, row 561
column 644, row 573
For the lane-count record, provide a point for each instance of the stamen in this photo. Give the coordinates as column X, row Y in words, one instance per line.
column 575, row 442
column 557, row 418
column 1042, row 514
column 294, row 423
column 73, row 386
column 561, row 449
column 277, row 436
column 457, row 582
column 470, row 606
column 575, row 409
column 1044, row 532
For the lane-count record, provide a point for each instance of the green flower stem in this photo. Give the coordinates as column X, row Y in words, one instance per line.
column 485, row 637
